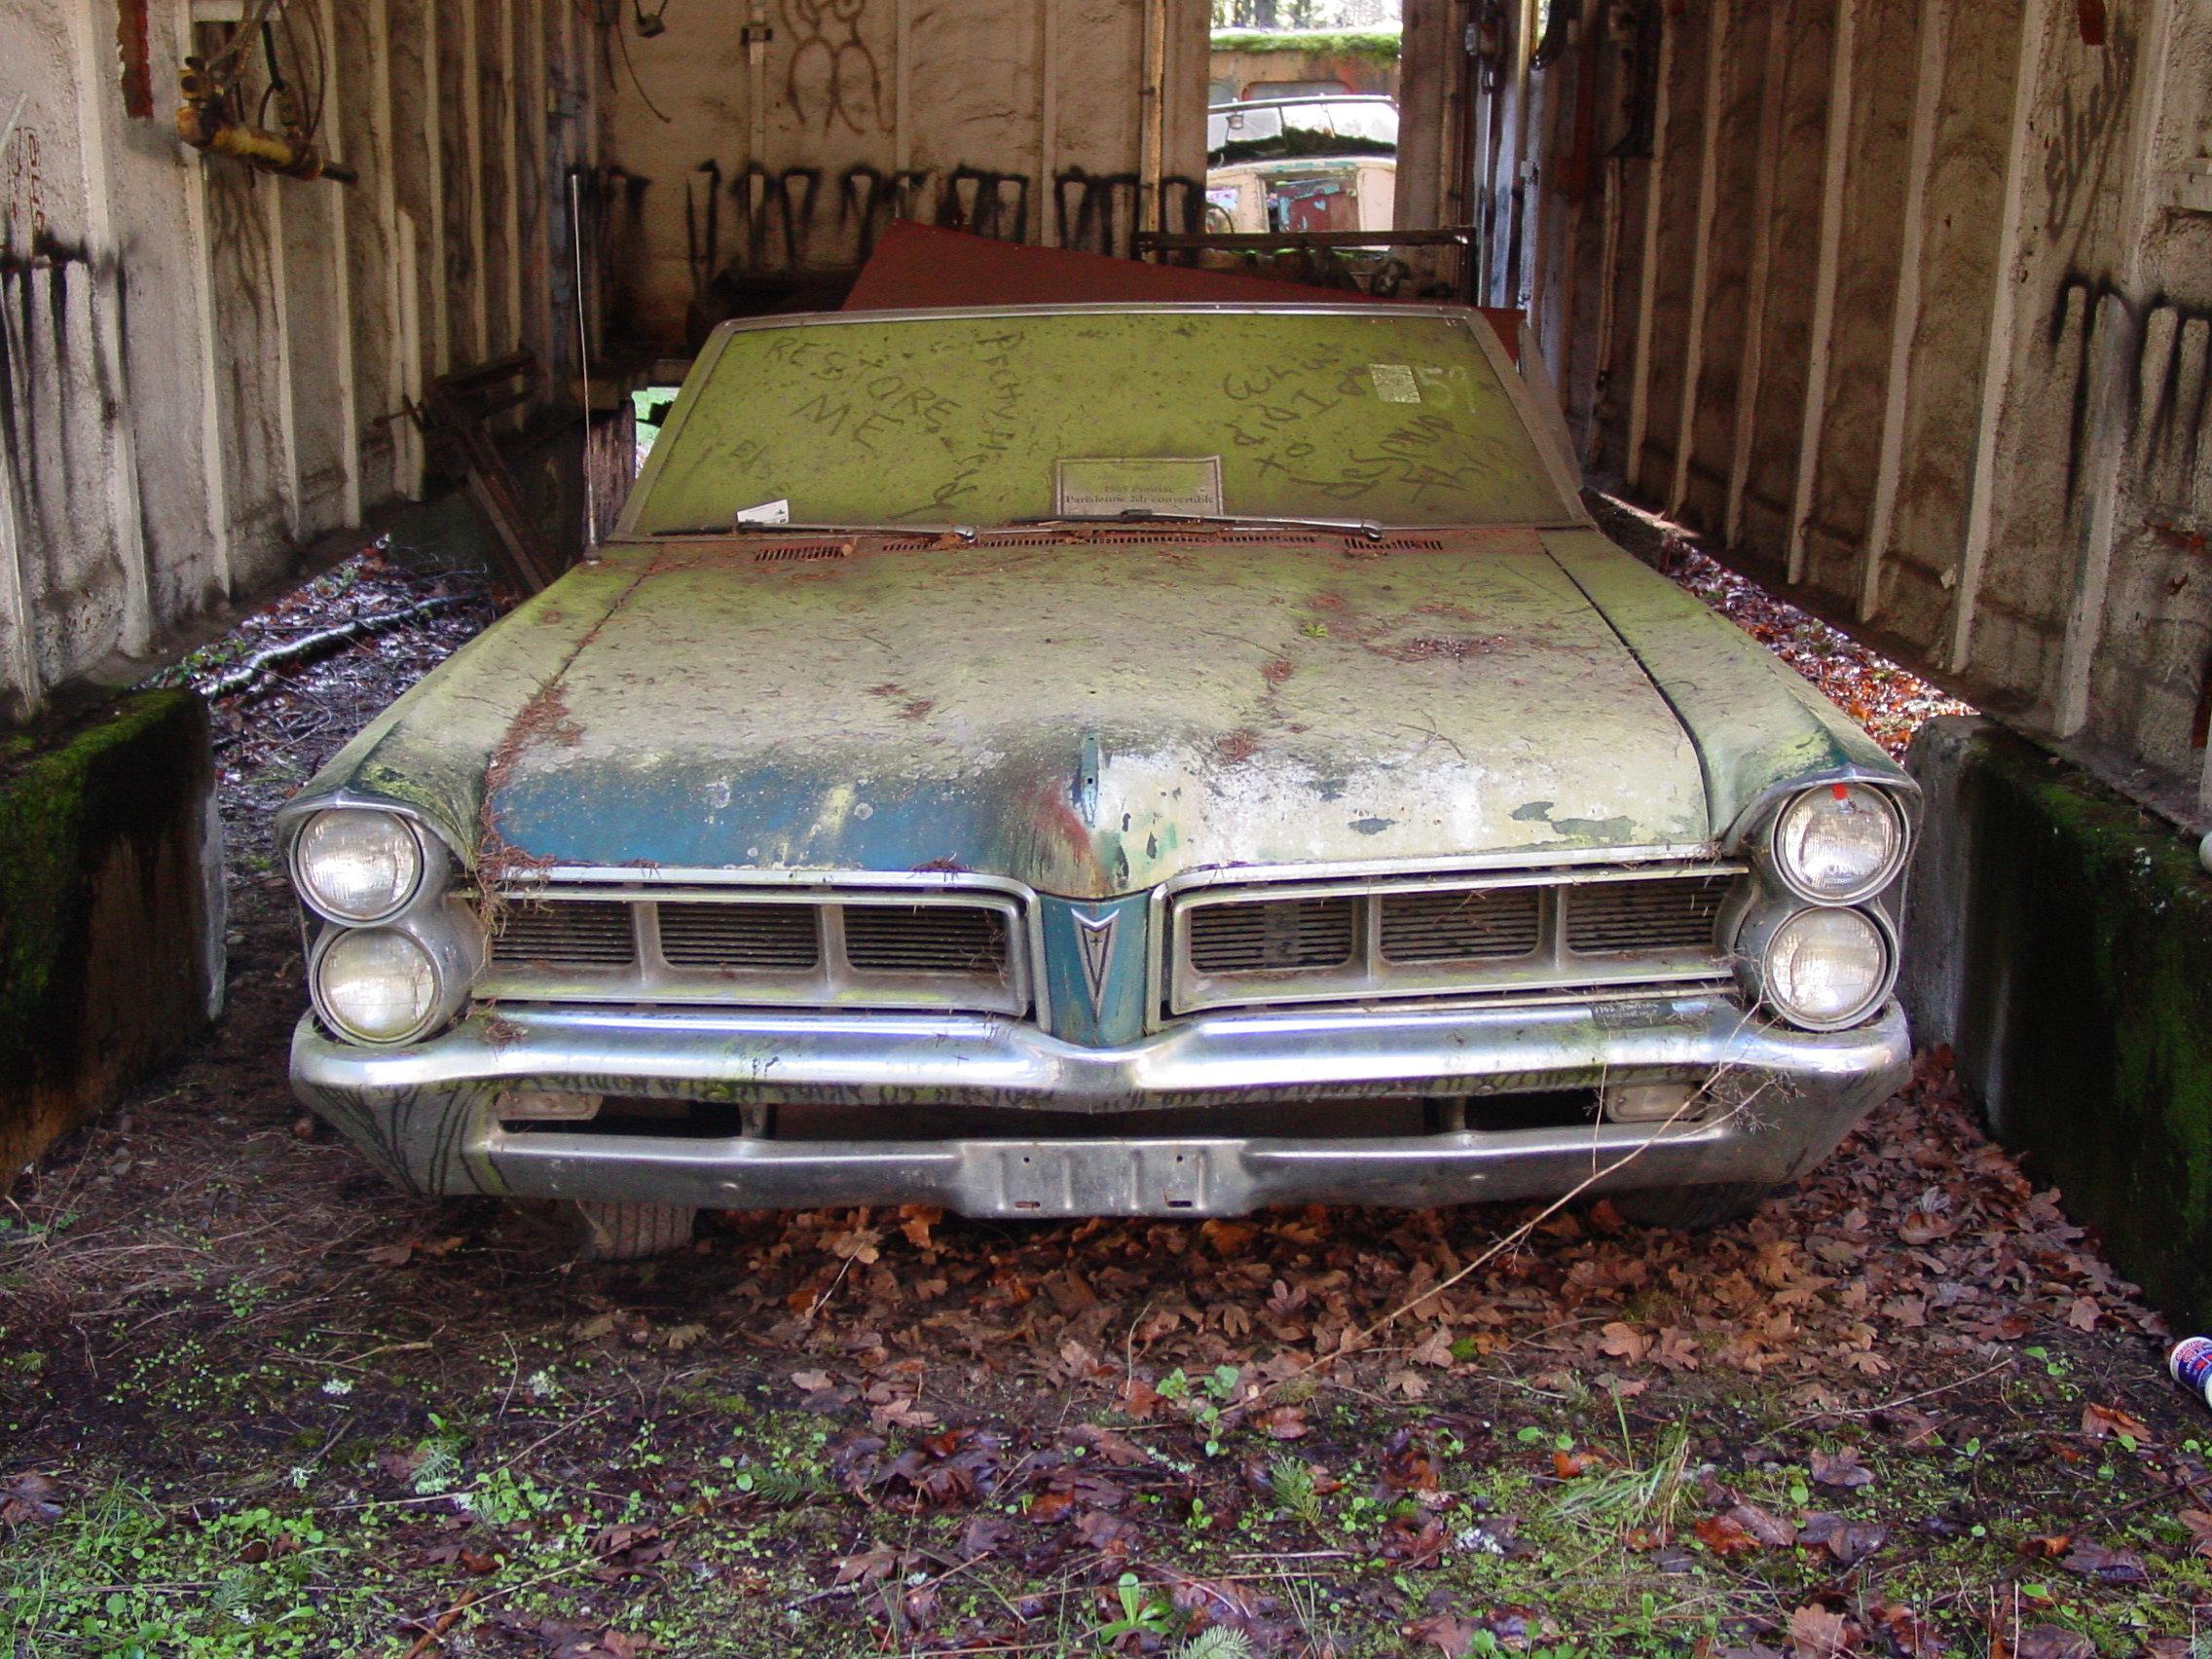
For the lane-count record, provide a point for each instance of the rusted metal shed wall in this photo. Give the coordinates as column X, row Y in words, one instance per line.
column 200, row 363
column 1909, row 302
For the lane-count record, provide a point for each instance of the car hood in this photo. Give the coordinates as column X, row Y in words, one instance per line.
column 1093, row 720
column 1090, row 718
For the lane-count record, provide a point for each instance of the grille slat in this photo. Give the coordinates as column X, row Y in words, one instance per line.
column 739, row 938
column 1480, row 924
column 586, row 934
column 1553, row 932
column 925, row 938
column 706, row 946
column 1285, row 934
column 1607, row 917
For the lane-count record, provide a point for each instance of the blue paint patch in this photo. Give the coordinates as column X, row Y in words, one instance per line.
column 1535, row 812
column 1373, row 825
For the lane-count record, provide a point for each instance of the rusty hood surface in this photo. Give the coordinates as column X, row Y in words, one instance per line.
column 1087, row 718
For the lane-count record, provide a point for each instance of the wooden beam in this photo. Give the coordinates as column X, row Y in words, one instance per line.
column 1820, row 355
column 479, row 235
column 433, row 133
column 1648, row 273
column 901, row 88
column 1998, row 344
column 1717, row 18
column 97, row 108
column 403, row 361
column 2092, row 580
column 510, row 61
column 1904, row 304
column 273, row 193
column 1774, row 86
column 1041, row 218
column 539, row 120
column 341, row 209
column 199, row 255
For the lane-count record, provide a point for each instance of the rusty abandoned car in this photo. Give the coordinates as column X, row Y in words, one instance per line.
column 1161, row 758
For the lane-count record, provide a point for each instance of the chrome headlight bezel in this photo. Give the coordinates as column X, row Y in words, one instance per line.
column 452, row 941
column 432, row 865
column 1763, row 926
column 1814, row 798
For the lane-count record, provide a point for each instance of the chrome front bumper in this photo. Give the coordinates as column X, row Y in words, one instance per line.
column 426, row 1114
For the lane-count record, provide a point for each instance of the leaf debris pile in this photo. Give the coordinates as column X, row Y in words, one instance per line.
column 258, row 1404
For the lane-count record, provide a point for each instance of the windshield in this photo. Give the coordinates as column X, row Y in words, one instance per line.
column 1363, row 413
column 1311, row 127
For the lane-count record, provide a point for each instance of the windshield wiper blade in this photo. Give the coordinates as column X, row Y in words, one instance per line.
column 966, row 531
column 1367, row 528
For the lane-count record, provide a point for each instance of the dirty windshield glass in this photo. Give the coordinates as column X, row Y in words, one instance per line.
column 1390, row 417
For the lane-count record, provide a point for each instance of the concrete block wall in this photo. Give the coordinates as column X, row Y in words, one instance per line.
column 111, row 910
column 1909, row 303
column 201, row 368
column 2060, row 941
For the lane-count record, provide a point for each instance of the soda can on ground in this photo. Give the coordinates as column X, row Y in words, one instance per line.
column 2190, row 1363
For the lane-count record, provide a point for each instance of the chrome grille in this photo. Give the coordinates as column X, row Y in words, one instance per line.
column 586, row 934
column 1475, row 925
column 735, row 939
column 925, row 938
column 1609, row 917
column 843, row 947
column 1523, row 931
column 1299, row 933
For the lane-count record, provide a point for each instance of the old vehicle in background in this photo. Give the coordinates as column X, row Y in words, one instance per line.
column 1301, row 163
column 1149, row 758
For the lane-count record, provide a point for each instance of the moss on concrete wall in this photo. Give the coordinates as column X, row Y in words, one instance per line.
column 2085, row 1006
column 106, row 910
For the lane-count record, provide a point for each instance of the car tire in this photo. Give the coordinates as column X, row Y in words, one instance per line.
column 1691, row 1209
column 631, row 1233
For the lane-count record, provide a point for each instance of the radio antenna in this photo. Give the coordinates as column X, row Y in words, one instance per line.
column 583, row 355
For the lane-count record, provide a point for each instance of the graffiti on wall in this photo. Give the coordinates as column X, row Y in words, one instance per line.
column 762, row 223
column 2154, row 342
column 832, row 75
column 2079, row 158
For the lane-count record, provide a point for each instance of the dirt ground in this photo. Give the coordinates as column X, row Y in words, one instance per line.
column 251, row 1402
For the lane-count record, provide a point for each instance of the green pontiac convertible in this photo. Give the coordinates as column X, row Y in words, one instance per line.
column 1129, row 759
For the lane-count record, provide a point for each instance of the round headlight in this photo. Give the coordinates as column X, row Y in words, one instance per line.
column 1825, row 969
column 1838, row 843
column 379, row 986
column 358, row 867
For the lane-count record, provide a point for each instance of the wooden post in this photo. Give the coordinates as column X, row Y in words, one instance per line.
column 1836, row 167
column 1648, row 273
column 1718, row 15
column 341, row 209
column 1998, row 344
column 1774, row 85
column 1904, row 308
column 2092, row 581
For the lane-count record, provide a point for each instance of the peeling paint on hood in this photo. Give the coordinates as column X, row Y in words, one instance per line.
column 1094, row 719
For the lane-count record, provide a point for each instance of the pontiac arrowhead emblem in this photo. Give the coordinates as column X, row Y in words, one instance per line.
column 1095, row 938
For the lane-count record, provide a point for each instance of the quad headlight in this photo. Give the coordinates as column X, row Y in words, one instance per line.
column 1822, row 969
column 355, row 865
column 1838, row 843
column 395, row 984
column 375, row 985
